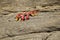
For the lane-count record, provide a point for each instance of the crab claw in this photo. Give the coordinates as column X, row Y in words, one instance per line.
column 31, row 13
column 18, row 17
column 34, row 12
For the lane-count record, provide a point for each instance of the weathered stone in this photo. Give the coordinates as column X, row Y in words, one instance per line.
column 18, row 5
column 37, row 28
column 44, row 22
column 55, row 36
column 34, row 36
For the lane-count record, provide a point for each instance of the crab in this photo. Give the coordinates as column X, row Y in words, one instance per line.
column 25, row 15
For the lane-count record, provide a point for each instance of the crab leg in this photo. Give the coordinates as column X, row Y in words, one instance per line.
column 22, row 17
column 27, row 17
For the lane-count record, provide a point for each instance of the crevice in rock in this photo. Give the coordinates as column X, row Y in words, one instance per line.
column 47, row 37
column 51, row 29
column 11, row 11
column 8, row 35
column 54, row 10
column 25, row 34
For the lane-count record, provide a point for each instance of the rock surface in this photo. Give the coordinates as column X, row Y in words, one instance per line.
column 44, row 26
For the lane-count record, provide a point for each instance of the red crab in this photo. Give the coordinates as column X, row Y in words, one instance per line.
column 25, row 15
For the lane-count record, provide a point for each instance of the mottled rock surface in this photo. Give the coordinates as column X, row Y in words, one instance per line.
column 44, row 26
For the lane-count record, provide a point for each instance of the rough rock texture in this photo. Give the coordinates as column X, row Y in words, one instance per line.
column 55, row 36
column 44, row 26
column 20, row 5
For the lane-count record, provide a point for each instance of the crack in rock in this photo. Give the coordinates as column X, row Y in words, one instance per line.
column 24, row 34
column 47, row 37
column 46, row 31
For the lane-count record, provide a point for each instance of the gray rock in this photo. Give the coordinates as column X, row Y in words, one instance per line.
column 34, row 36
column 44, row 22
column 22, row 5
column 40, row 27
column 30, row 2
column 55, row 36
